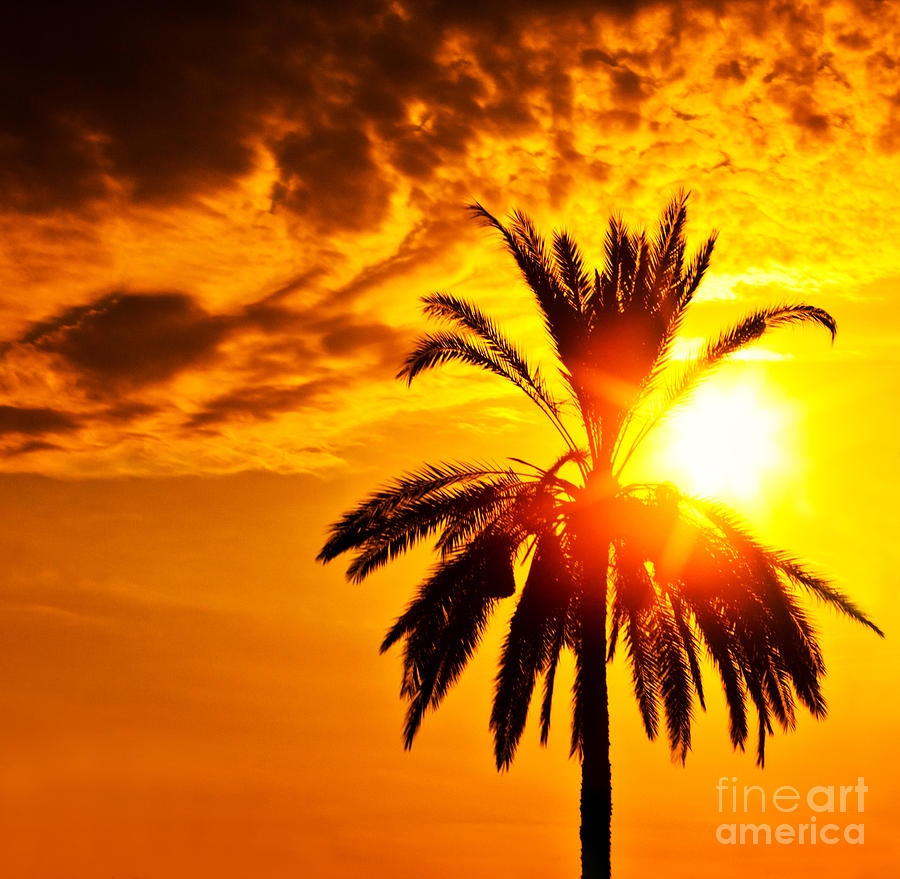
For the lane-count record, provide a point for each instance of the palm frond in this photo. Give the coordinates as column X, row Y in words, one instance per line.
column 689, row 641
column 700, row 365
column 367, row 518
column 533, row 631
column 518, row 512
column 470, row 317
column 605, row 295
column 556, row 646
column 667, row 257
column 435, row 349
column 550, row 475
column 635, row 594
column 644, row 672
column 690, row 280
column 757, row 696
column 460, row 511
column 635, row 294
column 824, row 591
column 715, row 633
column 675, row 680
column 570, row 268
column 444, row 624
column 743, row 606
column 574, row 637
column 681, row 292
column 530, row 253
column 459, row 639
column 481, row 565
column 737, row 532
column 616, row 620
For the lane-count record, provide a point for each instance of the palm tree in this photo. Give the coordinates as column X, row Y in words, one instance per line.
column 669, row 575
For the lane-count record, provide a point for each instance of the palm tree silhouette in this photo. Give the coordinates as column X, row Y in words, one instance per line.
column 670, row 575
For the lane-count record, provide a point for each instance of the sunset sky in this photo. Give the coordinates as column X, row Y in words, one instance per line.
column 216, row 227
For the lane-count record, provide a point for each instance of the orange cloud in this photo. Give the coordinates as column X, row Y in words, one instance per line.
column 155, row 200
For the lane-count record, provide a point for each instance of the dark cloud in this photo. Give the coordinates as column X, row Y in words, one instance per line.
column 353, row 198
column 149, row 93
column 595, row 57
column 806, row 116
column 889, row 137
column 126, row 412
column 261, row 402
column 349, row 338
column 730, row 70
column 35, row 421
column 854, row 40
column 122, row 345
column 27, row 448
column 163, row 101
column 309, row 337
column 627, row 86
column 166, row 100
column 125, row 340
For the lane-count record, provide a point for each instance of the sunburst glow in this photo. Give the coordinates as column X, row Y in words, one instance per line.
column 729, row 441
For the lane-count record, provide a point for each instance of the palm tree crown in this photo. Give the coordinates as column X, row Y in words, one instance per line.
column 674, row 578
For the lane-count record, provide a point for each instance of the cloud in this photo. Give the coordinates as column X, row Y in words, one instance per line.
column 268, row 188
column 24, row 429
column 127, row 411
column 261, row 402
column 161, row 103
column 27, row 447
column 125, row 340
column 26, row 420
column 130, row 365
column 111, row 95
column 354, row 198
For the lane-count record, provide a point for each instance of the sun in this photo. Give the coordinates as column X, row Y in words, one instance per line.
column 730, row 441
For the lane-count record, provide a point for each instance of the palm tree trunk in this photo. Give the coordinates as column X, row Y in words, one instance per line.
column 596, row 775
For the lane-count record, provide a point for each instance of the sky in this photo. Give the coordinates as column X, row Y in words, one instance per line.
column 217, row 223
